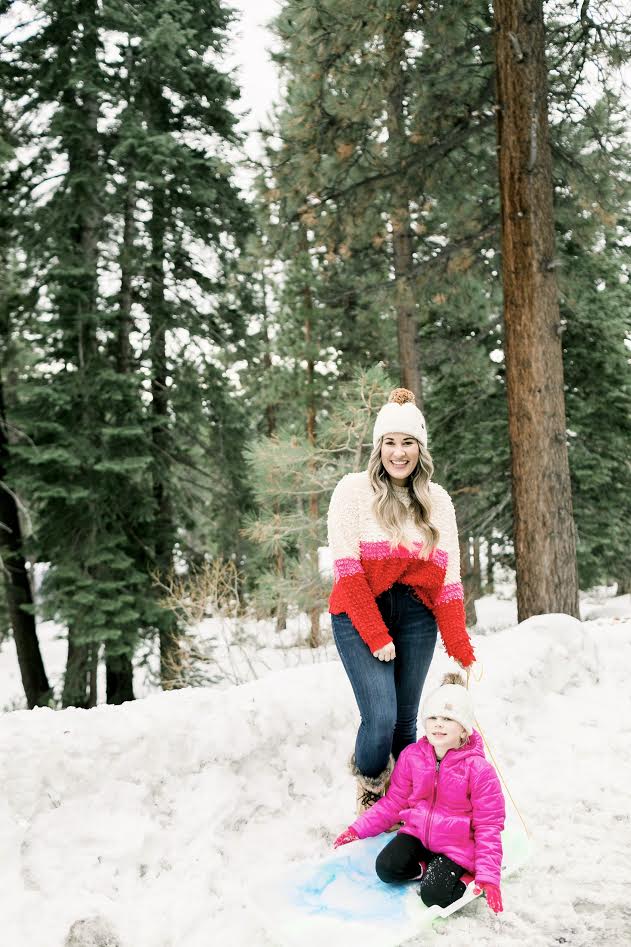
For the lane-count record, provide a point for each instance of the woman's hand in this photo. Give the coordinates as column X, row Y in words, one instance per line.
column 387, row 653
column 493, row 895
column 349, row 835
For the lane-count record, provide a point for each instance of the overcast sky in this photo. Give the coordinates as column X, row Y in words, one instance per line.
column 256, row 74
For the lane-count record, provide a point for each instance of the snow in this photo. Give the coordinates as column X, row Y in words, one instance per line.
column 152, row 824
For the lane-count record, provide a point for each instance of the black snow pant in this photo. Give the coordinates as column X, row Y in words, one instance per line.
column 399, row 861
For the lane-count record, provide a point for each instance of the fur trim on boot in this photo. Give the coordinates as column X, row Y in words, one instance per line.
column 370, row 788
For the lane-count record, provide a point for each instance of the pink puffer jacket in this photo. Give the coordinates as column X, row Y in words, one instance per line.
column 455, row 807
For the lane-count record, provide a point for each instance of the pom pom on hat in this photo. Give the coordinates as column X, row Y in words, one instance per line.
column 401, row 396
column 451, row 700
column 400, row 416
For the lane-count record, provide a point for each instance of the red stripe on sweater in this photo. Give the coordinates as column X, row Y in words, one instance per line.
column 356, row 589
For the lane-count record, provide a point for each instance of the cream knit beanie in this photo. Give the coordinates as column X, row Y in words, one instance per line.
column 400, row 416
column 451, row 700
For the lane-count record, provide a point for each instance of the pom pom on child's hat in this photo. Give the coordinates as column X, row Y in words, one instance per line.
column 400, row 416
column 451, row 700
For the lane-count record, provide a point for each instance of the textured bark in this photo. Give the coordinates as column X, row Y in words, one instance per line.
column 490, row 561
column 119, row 676
column 119, row 672
column 164, row 531
column 163, row 547
column 469, row 583
column 544, row 533
column 315, row 638
column 402, row 245
column 477, row 569
column 83, row 151
column 93, row 664
column 123, row 347
column 624, row 585
column 280, row 609
column 19, row 595
column 76, row 690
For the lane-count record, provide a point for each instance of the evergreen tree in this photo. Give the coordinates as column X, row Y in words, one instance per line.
column 333, row 172
column 134, row 240
column 18, row 616
column 64, row 408
column 287, row 472
column 172, row 139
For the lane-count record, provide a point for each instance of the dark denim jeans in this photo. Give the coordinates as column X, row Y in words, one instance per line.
column 388, row 693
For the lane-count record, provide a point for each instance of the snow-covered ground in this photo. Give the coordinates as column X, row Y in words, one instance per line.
column 159, row 818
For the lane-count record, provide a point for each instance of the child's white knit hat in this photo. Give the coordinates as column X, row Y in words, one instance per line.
column 400, row 416
column 451, row 700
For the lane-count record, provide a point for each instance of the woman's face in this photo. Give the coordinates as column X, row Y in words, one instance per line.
column 399, row 456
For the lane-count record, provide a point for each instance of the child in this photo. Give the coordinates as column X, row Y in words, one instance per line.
column 451, row 804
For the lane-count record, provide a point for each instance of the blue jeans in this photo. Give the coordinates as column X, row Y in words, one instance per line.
column 388, row 693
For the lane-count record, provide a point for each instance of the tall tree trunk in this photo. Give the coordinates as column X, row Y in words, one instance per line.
column 477, row 569
column 468, row 582
column 315, row 638
column 93, row 666
column 490, row 561
column 163, row 545
column 119, row 678
column 544, row 533
column 76, row 690
column 402, row 246
column 280, row 610
column 624, row 585
column 37, row 690
column 79, row 687
column 123, row 348
column 119, row 671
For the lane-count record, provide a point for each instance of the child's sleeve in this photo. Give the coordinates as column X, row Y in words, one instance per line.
column 385, row 812
column 351, row 592
column 489, row 813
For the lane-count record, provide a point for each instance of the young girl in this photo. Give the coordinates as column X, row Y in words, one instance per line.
column 450, row 801
column 396, row 562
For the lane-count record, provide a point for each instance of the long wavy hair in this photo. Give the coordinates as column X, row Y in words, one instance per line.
column 392, row 513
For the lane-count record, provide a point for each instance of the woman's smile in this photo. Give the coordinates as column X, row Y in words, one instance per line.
column 399, row 456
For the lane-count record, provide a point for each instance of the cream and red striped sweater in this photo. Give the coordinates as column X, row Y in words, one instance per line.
column 365, row 565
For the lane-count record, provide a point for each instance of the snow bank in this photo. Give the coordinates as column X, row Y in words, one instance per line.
column 159, row 817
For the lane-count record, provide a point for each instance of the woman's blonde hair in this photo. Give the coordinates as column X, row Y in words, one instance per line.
column 391, row 512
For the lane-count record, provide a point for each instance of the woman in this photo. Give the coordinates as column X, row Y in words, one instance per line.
column 396, row 563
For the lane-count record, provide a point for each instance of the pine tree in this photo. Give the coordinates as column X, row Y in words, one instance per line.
column 20, row 611
column 293, row 479
column 176, row 125
column 134, row 245
column 64, row 406
column 332, row 172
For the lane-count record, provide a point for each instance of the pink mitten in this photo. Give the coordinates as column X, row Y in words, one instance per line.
column 350, row 835
column 493, row 895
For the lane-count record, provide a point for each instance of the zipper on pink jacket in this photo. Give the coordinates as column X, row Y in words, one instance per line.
column 431, row 809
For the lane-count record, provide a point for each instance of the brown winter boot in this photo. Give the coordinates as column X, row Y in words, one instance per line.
column 370, row 788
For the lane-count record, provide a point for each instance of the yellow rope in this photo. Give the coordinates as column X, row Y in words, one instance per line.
column 501, row 776
column 486, row 743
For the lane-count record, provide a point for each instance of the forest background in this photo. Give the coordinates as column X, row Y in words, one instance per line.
column 195, row 335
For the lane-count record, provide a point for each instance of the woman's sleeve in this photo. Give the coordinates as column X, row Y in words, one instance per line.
column 448, row 605
column 351, row 592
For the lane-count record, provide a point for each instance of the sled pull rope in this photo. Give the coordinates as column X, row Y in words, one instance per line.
column 501, row 776
column 471, row 675
column 495, row 763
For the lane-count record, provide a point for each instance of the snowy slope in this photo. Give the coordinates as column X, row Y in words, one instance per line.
column 161, row 816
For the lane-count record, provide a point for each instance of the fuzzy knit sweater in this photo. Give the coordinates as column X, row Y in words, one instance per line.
column 365, row 565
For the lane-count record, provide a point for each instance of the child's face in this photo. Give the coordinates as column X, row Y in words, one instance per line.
column 444, row 734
